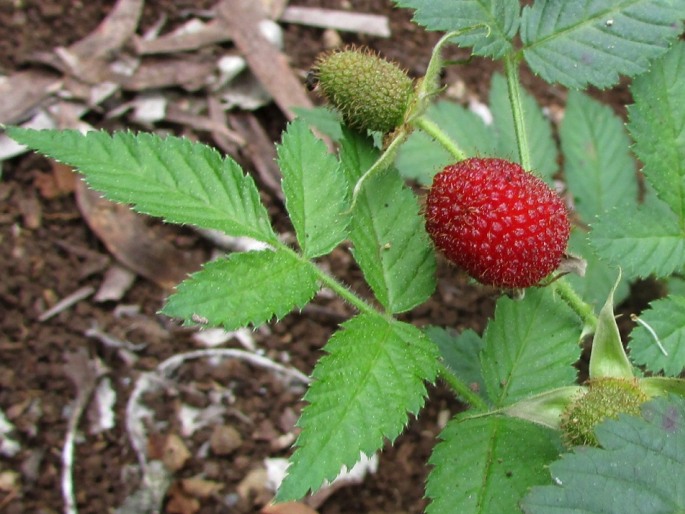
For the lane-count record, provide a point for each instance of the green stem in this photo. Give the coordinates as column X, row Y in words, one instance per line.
column 584, row 310
column 436, row 132
column 461, row 389
column 511, row 64
column 383, row 162
column 344, row 292
column 331, row 282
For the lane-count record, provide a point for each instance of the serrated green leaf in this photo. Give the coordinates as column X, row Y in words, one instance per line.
column 639, row 468
column 600, row 276
column 599, row 170
column 421, row 157
column 315, row 191
column 530, row 347
column 244, row 288
column 643, row 241
column 461, row 354
column 485, row 465
column 594, row 41
column 372, row 376
column 666, row 317
column 172, row 178
column 323, row 119
column 500, row 16
column 543, row 150
column 390, row 241
column 656, row 124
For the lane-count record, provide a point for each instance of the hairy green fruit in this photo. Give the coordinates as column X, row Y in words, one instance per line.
column 370, row 92
column 606, row 399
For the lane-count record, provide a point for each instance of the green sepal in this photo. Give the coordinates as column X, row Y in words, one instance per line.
column 660, row 386
column 608, row 358
column 545, row 408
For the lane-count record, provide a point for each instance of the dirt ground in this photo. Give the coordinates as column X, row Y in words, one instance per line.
column 240, row 413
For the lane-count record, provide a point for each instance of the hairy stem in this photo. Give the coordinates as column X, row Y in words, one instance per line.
column 511, row 64
column 584, row 310
column 461, row 389
column 436, row 132
column 383, row 162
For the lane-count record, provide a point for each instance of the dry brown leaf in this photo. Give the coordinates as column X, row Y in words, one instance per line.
column 60, row 181
column 133, row 243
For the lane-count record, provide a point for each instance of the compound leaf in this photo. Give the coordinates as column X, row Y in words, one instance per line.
column 593, row 41
column 640, row 461
column 486, row 464
column 648, row 241
column 530, row 347
column 656, row 124
column 372, row 376
column 543, row 154
column 390, row 241
column 666, row 317
column 495, row 22
column 244, row 288
column 315, row 191
column 172, row 178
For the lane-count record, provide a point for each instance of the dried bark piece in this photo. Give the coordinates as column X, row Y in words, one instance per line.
column 259, row 148
column 372, row 24
column 23, row 91
column 268, row 63
column 112, row 33
column 205, row 34
column 188, row 72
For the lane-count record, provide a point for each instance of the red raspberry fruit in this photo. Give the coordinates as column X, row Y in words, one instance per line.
column 504, row 226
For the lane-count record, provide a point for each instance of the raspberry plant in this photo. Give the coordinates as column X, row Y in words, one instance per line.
column 518, row 377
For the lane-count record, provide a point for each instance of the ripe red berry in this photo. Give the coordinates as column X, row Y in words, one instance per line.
column 504, row 226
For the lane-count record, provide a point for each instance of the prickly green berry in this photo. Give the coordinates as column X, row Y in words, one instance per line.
column 370, row 92
column 606, row 398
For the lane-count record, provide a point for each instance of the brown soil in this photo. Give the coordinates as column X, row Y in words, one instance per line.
column 47, row 252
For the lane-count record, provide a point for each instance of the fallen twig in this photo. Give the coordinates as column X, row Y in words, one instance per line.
column 85, row 374
column 67, row 302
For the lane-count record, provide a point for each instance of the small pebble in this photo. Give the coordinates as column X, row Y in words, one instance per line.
column 225, row 440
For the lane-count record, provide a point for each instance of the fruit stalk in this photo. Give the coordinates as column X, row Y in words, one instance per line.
column 436, row 133
column 584, row 311
column 515, row 98
column 383, row 162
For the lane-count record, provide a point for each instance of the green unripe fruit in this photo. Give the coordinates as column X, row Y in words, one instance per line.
column 606, row 399
column 370, row 92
